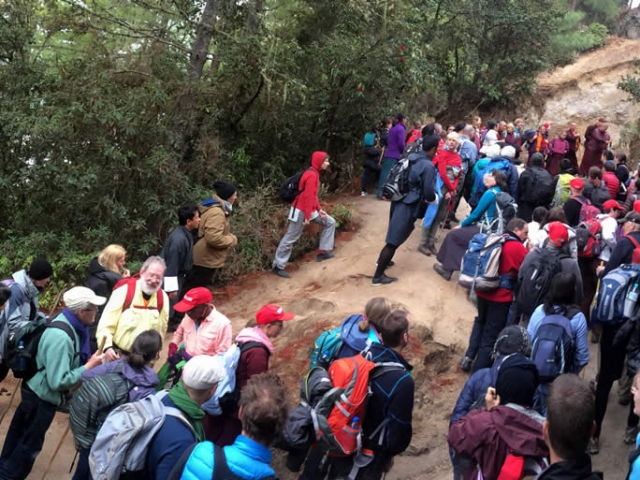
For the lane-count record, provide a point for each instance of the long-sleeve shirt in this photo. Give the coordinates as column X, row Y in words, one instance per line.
column 211, row 337
column 448, row 159
column 122, row 327
column 395, row 142
column 487, row 204
column 468, row 152
column 578, row 328
column 609, row 236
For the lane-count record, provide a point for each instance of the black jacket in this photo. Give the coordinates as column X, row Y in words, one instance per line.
column 572, row 209
column 536, row 187
column 597, row 195
column 178, row 252
column 391, row 400
column 621, row 254
column 578, row 468
column 101, row 280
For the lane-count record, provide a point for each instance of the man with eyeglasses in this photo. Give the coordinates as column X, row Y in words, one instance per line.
column 204, row 330
column 63, row 355
column 134, row 307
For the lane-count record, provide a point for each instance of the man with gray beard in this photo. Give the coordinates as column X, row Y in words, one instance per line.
column 135, row 306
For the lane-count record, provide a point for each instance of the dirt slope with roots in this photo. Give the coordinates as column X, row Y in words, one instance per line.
column 322, row 295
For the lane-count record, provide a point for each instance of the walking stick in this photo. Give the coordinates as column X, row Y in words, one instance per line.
column 64, row 436
column 381, row 155
column 11, row 401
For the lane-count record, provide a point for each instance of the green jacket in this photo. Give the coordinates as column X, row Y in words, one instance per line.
column 62, row 369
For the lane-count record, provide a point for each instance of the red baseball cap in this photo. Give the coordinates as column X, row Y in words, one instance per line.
column 193, row 298
column 577, row 183
column 609, row 204
column 272, row 313
column 558, row 233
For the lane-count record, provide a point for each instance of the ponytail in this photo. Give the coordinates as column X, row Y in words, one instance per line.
column 363, row 325
column 145, row 349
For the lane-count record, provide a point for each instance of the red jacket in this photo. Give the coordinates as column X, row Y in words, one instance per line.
column 487, row 436
column 612, row 183
column 513, row 253
column 307, row 201
column 444, row 159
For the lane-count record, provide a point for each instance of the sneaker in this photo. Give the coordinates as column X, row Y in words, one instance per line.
column 363, row 194
column 324, row 256
column 383, row 280
column 465, row 364
column 446, row 274
column 594, row 446
column 424, row 250
column 630, row 435
column 281, row 272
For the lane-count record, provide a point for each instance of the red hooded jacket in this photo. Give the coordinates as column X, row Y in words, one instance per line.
column 307, row 201
column 487, row 437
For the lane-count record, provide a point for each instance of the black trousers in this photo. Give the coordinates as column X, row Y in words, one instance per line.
column 492, row 318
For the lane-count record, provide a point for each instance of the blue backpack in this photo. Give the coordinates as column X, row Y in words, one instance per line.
column 479, row 270
column 553, row 348
column 612, row 296
column 479, row 187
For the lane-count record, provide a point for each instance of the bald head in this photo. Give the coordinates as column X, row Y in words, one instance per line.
column 468, row 130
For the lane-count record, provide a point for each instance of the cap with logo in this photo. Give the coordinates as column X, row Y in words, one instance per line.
column 193, row 298
column 272, row 313
column 577, row 183
column 609, row 204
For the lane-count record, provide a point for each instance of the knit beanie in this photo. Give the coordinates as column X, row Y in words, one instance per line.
column 517, row 380
column 225, row 190
column 40, row 269
column 513, row 339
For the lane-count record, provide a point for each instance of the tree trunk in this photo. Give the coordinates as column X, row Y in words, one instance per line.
column 253, row 17
column 204, row 35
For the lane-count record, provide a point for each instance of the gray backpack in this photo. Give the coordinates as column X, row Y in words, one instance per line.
column 123, row 440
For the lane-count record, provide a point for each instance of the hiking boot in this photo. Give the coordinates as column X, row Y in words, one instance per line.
column 465, row 364
column 452, row 218
column 321, row 257
column 446, row 274
column 281, row 272
column 391, row 264
column 447, row 225
column 630, row 435
column 594, row 446
column 433, row 249
column 383, row 280
column 424, row 250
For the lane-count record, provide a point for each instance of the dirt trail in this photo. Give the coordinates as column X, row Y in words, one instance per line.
column 322, row 295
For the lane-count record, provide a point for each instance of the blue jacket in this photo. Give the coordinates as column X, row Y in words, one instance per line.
column 391, row 401
column 468, row 153
column 579, row 330
column 422, row 179
column 487, row 204
column 246, row 458
column 475, row 388
column 168, row 445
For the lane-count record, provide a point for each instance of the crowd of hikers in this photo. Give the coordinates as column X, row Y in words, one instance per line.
column 549, row 254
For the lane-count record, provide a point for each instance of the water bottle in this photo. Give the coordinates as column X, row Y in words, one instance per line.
column 21, row 360
column 355, row 423
column 631, row 300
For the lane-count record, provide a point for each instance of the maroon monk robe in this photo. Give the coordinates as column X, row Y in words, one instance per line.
column 574, row 144
column 595, row 145
column 557, row 150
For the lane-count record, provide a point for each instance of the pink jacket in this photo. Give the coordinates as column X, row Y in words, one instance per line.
column 213, row 336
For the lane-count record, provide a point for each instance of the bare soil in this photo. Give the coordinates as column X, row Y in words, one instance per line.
column 322, row 295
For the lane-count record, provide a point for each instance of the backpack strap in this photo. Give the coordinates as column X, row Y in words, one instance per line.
column 379, row 370
column 68, row 329
column 131, row 292
column 177, row 413
column 249, row 345
column 632, row 240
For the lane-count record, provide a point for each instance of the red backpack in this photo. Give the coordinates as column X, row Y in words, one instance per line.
column 635, row 256
column 588, row 238
column 131, row 283
column 587, row 211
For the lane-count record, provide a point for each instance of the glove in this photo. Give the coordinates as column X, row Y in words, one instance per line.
column 173, row 348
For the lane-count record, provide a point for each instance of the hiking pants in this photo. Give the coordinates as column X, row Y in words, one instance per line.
column 611, row 364
column 83, row 472
column 201, row 277
column 370, row 170
column 387, row 165
column 492, row 318
column 327, row 236
column 26, row 434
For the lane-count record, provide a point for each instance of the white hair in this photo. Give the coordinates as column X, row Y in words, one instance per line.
column 508, row 152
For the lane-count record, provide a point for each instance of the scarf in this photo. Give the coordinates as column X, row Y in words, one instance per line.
column 189, row 407
column 83, row 332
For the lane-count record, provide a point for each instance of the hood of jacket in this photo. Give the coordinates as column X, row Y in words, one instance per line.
column 144, row 377
column 22, row 278
column 213, row 202
column 317, row 158
column 381, row 354
column 97, row 270
column 521, row 429
column 254, row 334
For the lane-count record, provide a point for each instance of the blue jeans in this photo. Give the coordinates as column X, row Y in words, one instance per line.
column 25, row 437
column 387, row 165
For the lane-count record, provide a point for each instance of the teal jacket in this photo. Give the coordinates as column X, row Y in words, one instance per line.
column 58, row 363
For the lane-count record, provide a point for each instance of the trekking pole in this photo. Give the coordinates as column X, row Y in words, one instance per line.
column 55, row 304
column 381, row 155
column 64, row 436
column 11, row 401
column 102, row 342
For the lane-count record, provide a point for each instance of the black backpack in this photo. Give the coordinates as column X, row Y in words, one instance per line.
column 22, row 346
column 397, row 186
column 536, row 279
column 290, row 189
